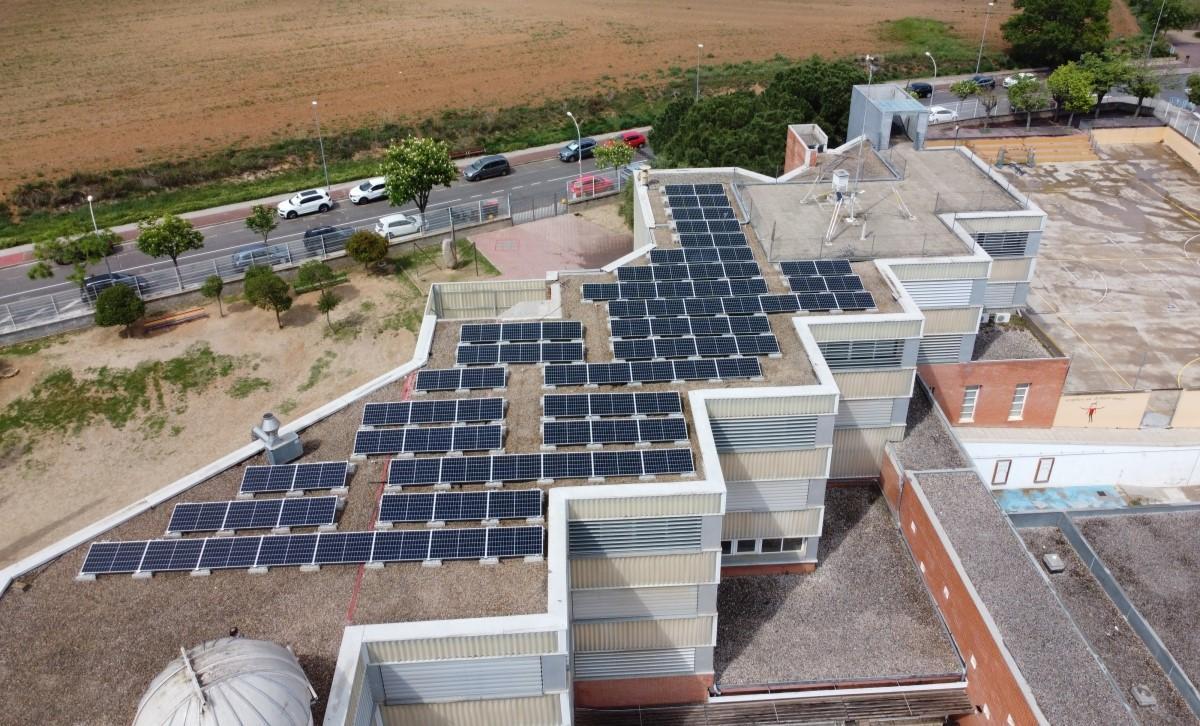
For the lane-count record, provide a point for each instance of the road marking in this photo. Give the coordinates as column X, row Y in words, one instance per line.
column 476, row 196
column 534, row 184
column 522, row 186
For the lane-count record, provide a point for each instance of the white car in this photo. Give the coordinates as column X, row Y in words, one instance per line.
column 1011, row 81
column 369, row 191
column 306, row 202
column 941, row 114
column 394, row 226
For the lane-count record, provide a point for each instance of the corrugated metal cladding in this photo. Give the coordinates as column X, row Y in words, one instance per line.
column 952, row 320
column 852, row 354
column 870, row 330
column 941, row 270
column 1002, row 244
column 940, row 349
column 362, row 701
column 603, row 666
column 793, row 464
column 643, row 602
column 940, row 293
column 671, row 505
column 766, row 496
column 858, row 452
column 593, row 572
column 1000, row 295
column 485, row 299
column 764, row 433
column 1021, row 223
column 657, row 634
column 1012, row 269
column 758, row 525
column 460, row 680
column 473, row 646
column 540, row 711
column 864, row 413
column 770, row 406
column 874, row 384
column 611, row 536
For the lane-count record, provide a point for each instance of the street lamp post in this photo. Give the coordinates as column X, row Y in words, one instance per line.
column 987, row 16
column 699, row 48
column 930, row 57
column 1150, row 46
column 96, row 230
column 321, row 142
column 578, row 150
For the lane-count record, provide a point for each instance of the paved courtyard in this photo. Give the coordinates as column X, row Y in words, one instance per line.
column 565, row 242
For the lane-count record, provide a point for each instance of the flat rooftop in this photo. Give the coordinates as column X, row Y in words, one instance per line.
column 792, row 218
column 864, row 614
column 1010, row 341
column 928, row 443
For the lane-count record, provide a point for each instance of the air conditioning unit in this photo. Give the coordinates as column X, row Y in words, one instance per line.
column 1001, row 317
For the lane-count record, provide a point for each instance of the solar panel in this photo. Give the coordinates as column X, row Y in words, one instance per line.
column 686, row 226
column 578, row 374
column 455, row 410
column 722, row 212
column 673, row 189
column 297, row 477
column 253, row 513
column 631, row 327
column 640, row 273
column 454, row 379
column 491, row 353
column 611, row 404
column 531, row 467
column 818, row 301
column 613, row 431
column 807, row 284
column 730, row 239
column 843, row 283
column 656, row 348
column 828, row 268
column 714, row 200
column 802, row 268
column 426, row 440
column 521, row 332
column 461, row 506
column 709, row 189
column 682, row 200
column 697, row 326
column 779, row 303
column 687, row 212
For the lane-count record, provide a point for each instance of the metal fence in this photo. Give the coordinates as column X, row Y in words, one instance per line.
column 153, row 284
column 1180, row 115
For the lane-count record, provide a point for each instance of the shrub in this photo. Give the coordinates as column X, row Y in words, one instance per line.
column 366, row 247
column 119, row 305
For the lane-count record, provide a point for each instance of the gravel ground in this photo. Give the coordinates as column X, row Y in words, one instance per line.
column 1065, row 679
column 1107, row 631
column 1156, row 560
column 1006, row 342
column 863, row 614
column 928, row 443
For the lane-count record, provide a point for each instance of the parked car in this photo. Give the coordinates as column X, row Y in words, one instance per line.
column 325, row 240
column 369, row 191
column 636, row 139
column 306, row 202
column 93, row 285
column 1013, row 80
column 395, row 226
column 921, row 89
column 941, row 114
column 984, row 81
column 259, row 254
column 486, row 167
column 571, row 151
column 589, row 186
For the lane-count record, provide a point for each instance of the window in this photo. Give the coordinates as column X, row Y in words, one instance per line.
column 1000, row 473
column 1017, row 409
column 726, row 547
column 772, row 545
column 792, row 544
column 746, row 545
column 1044, row 468
column 970, row 396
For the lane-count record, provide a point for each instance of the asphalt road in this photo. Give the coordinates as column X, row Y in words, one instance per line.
column 534, row 181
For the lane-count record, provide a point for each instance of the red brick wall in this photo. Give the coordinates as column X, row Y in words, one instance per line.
column 660, row 691
column 889, row 482
column 793, row 568
column 793, row 156
column 997, row 381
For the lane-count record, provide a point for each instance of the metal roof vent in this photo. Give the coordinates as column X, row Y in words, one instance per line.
column 281, row 448
column 1142, row 696
column 1053, row 563
column 229, row 682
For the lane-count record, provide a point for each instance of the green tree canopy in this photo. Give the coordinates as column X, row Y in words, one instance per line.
column 1107, row 69
column 1051, row 32
column 1193, row 88
column 326, row 303
column 119, row 305
column 413, row 167
column 964, row 89
column 1071, row 86
column 314, row 273
column 1143, row 84
column 212, row 288
column 80, row 249
column 267, row 290
column 262, row 220
column 170, row 236
column 1175, row 13
column 613, row 154
column 1027, row 96
column 366, row 247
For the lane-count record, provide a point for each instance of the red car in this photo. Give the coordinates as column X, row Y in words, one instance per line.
column 636, row 139
column 589, row 186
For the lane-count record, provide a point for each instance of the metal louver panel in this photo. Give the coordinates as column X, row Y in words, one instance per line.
column 1000, row 295
column 939, row 349
column 364, row 710
column 632, row 664
column 852, row 354
column 864, row 413
column 940, row 293
column 612, row 536
column 461, row 680
column 1002, row 244
column 645, row 602
column 764, row 433
column 766, row 496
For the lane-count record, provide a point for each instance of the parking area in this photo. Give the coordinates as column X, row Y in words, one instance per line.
column 1118, row 276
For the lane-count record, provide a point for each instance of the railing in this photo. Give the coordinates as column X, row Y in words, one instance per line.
column 1181, row 116
column 153, row 284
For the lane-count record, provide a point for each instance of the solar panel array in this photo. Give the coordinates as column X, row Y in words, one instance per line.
column 600, row 291
column 461, row 506
column 613, row 431
column 686, row 271
column 700, row 240
column 294, row 477
column 580, row 374
column 459, row 379
column 823, row 285
column 674, row 327
column 680, row 307
column 532, row 467
column 450, row 410
column 715, row 346
column 581, row 405
column 691, row 255
column 325, row 548
column 521, row 332
column 253, row 514
column 816, row 268
column 428, row 440
column 492, row 353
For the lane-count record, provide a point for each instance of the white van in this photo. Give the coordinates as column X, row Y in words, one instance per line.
column 394, row 226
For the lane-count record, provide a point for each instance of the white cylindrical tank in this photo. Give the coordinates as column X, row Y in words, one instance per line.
column 229, row 682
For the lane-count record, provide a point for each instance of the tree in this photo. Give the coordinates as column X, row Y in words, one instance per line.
column 367, row 247
column 1193, row 88
column 989, row 100
column 170, row 236
column 78, row 249
column 267, row 290
column 326, row 303
column 212, row 288
column 613, row 154
column 668, row 123
column 119, row 305
column 1051, row 32
column 1071, row 86
column 1107, row 70
column 1143, row 84
column 1175, row 13
column 314, row 273
column 262, row 220
column 1027, row 96
column 964, row 90
column 414, row 167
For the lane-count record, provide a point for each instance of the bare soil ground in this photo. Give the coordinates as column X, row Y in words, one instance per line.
column 89, row 86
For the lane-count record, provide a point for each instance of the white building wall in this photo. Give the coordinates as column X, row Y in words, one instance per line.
column 1065, row 465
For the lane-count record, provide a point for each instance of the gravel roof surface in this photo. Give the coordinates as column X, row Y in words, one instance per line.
column 1156, row 560
column 863, row 613
column 1068, row 683
column 928, row 443
column 1123, row 652
column 1006, row 342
